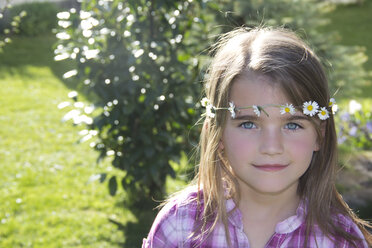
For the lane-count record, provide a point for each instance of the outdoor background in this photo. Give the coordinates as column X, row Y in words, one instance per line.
column 98, row 101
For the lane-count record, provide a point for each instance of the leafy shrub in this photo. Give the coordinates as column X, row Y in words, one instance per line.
column 137, row 59
column 41, row 17
column 8, row 29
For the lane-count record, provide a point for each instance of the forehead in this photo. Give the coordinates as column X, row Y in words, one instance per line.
column 254, row 89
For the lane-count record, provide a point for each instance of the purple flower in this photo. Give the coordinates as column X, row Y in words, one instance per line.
column 345, row 116
column 369, row 127
column 353, row 131
column 341, row 140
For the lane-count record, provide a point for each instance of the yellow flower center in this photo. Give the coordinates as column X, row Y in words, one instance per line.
column 330, row 104
column 310, row 107
column 323, row 112
column 287, row 110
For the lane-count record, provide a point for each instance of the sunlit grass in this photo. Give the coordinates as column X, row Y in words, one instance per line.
column 47, row 197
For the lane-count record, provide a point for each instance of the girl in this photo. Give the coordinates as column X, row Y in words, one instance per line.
column 268, row 153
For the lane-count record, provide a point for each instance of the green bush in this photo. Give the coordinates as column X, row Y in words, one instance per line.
column 138, row 60
column 41, row 17
column 11, row 28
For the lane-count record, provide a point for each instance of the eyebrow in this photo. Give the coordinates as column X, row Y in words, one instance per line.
column 247, row 117
column 298, row 117
column 289, row 118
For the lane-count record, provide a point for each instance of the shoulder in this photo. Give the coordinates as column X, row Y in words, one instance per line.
column 349, row 226
column 352, row 228
column 175, row 221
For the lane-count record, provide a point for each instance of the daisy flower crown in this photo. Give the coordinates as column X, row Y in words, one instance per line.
column 310, row 108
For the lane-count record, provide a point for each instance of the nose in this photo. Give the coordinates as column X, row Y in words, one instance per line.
column 271, row 142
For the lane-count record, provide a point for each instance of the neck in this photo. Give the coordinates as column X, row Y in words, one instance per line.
column 260, row 206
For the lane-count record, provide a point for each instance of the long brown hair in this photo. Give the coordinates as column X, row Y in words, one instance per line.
column 280, row 55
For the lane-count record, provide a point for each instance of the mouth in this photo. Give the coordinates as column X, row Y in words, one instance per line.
column 270, row 167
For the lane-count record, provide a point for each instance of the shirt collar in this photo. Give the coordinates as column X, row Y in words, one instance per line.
column 293, row 222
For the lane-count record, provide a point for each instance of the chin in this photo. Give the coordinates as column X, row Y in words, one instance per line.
column 274, row 188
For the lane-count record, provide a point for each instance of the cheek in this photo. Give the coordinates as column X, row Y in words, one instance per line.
column 302, row 148
column 238, row 147
column 238, row 143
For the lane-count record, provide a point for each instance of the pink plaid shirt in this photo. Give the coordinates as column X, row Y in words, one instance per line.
column 175, row 221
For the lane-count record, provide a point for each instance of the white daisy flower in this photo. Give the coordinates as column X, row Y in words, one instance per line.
column 256, row 110
column 232, row 109
column 287, row 108
column 323, row 113
column 310, row 108
column 204, row 102
column 332, row 102
column 334, row 109
column 209, row 111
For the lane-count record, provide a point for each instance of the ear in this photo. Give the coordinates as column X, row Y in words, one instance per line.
column 220, row 145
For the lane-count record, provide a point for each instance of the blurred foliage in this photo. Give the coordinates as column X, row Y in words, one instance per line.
column 355, row 126
column 140, row 61
column 344, row 64
column 352, row 23
column 41, row 17
column 7, row 30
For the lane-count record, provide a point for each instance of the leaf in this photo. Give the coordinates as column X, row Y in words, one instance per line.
column 149, row 152
column 171, row 172
column 141, row 98
column 113, row 185
column 183, row 57
column 102, row 177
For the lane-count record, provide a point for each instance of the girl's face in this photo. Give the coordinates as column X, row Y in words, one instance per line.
column 268, row 154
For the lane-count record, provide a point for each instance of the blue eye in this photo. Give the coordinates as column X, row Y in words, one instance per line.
column 293, row 126
column 247, row 125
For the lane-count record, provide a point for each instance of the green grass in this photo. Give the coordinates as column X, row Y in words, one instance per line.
column 47, row 199
column 353, row 23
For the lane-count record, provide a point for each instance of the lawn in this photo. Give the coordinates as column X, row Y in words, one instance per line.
column 47, row 195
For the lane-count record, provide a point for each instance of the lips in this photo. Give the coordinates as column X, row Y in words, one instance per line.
column 270, row 167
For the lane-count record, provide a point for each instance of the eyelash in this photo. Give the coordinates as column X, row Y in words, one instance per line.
column 244, row 123
column 297, row 126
